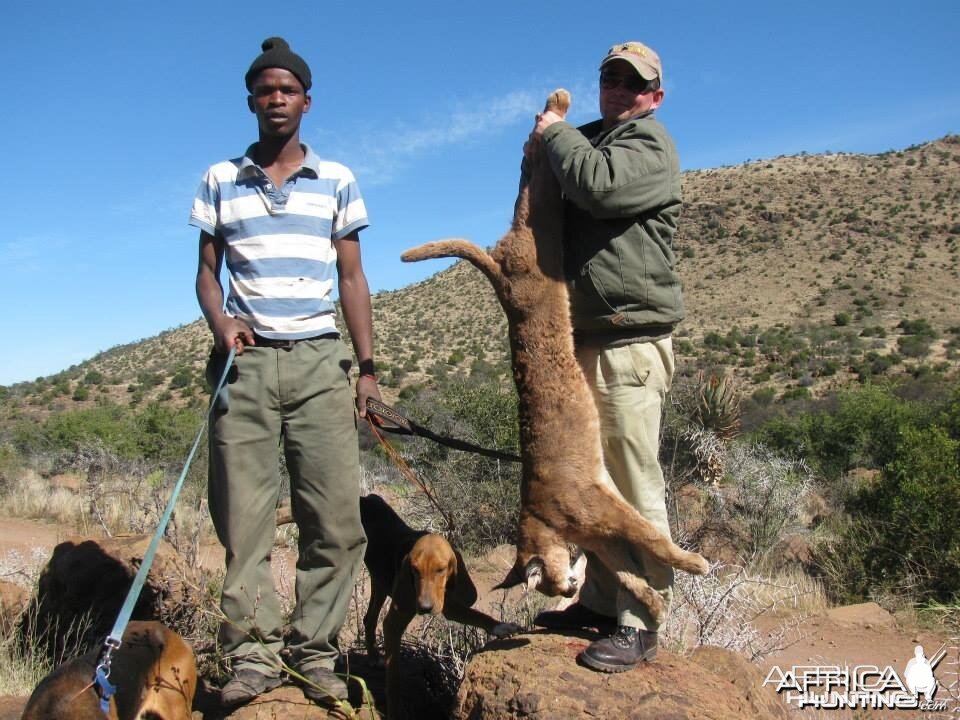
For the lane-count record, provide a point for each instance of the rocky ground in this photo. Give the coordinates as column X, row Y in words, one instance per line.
column 535, row 675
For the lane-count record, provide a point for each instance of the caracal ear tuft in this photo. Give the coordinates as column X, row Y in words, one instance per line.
column 559, row 102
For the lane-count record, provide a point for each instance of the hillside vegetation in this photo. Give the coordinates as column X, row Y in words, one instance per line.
column 801, row 274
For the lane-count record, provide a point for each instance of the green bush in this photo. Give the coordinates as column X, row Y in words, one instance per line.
column 480, row 496
column 860, row 431
column 181, row 378
column 10, row 462
column 898, row 529
column 914, row 346
column 157, row 432
column 914, row 513
column 764, row 396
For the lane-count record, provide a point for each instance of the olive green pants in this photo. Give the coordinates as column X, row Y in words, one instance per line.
column 629, row 384
column 300, row 397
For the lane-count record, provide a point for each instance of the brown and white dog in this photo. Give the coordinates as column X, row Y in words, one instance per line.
column 423, row 575
column 563, row 498
column 153, row 670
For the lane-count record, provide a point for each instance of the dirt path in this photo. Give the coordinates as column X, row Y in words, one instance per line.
column 22, row 535
column 861, row 636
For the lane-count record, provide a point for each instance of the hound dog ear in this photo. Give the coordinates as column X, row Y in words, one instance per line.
column 460, row 583
column 404, row 592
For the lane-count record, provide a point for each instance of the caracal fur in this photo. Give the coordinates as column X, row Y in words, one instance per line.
column 563, row 497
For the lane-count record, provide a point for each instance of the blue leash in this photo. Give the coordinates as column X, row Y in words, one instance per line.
column 114, row 639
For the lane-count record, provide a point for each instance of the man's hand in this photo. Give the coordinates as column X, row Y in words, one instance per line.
column 366, row 388
column 545, row 120
column 228, row 332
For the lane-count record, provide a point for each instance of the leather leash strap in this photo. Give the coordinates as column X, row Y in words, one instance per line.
column 405, row 470
column 392, row 421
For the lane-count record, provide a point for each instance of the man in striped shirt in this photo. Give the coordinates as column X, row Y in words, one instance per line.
column 287, row 224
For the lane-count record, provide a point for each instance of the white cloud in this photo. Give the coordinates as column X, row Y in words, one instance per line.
column 379, row 154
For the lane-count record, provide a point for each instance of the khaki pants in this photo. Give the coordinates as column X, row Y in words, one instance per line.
column 629, row 384
column 301, row 397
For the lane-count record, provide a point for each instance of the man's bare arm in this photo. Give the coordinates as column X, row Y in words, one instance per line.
column 227, row 331
column 355, row 303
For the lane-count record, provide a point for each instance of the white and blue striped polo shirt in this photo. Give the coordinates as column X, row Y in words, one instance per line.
column 278, row 242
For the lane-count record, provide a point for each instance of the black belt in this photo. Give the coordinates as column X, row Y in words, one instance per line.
column 260, row 341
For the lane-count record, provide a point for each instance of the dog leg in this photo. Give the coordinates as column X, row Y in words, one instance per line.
column 398, row 617
column 378, row 596
column 469, row 616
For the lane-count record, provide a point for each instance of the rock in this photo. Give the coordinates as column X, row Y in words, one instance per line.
column 746, row 677
column 796, row 550
column 289, row 702
column 68, row 481
column 862, row 615
column 13, row 599
column 89, row 578
column 537, row 676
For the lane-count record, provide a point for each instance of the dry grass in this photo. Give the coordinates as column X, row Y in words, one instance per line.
column 115, row 505
column 23, row 666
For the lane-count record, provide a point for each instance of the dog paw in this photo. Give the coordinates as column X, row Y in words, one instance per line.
column 502, row 630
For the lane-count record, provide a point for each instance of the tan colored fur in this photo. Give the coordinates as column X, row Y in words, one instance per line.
column 562, row 496
column 153, row 670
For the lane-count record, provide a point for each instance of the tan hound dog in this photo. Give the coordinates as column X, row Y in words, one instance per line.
column 153, row 670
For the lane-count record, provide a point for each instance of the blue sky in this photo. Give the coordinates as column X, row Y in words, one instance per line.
column 113, row 110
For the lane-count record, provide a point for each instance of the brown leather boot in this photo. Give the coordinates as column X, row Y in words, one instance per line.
column 624, row 649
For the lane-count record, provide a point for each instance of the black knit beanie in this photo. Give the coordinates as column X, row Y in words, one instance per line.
column 277, row 54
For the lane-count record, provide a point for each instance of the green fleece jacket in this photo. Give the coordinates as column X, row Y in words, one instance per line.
column 622, row 190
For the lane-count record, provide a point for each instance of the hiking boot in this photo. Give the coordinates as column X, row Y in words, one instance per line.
column 624, row 649
column 245, row 685
column 322, row 685
column 576, row 617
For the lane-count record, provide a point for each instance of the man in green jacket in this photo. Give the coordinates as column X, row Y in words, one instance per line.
column 621, row 179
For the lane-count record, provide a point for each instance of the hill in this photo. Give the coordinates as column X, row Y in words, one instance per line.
column 801, row 273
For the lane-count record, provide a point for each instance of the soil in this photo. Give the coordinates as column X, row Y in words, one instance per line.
column 849, row 636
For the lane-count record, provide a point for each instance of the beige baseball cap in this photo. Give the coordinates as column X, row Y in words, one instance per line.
column 644, row 60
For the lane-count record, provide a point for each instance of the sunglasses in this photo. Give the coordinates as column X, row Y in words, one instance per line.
column 633, row 83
